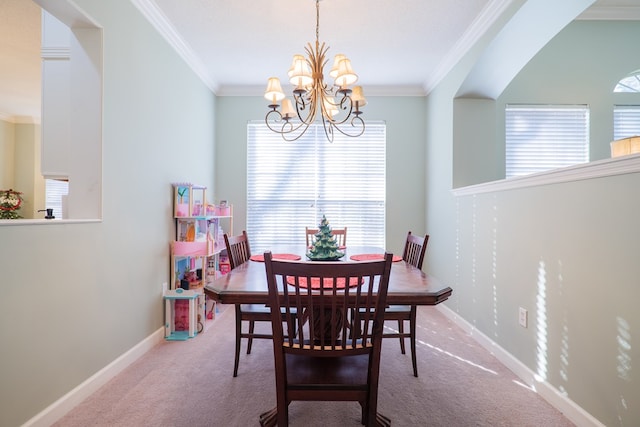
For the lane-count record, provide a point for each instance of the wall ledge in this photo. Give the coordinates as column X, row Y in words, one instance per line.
column 46, row 221
column 597, row 169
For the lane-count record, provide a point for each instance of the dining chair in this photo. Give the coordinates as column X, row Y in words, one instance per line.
column 310, row 234
column 327, row 355
column 341, row 236
column 239, row 252
column 414, row 250
column 339, row 233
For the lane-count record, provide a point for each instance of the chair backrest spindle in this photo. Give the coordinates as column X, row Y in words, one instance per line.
column 238, row 249
column 414, row 249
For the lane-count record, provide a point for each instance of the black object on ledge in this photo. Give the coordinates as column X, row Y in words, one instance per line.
column 49, row 214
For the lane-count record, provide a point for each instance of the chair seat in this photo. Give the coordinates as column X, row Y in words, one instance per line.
column 305, row 370
column 255, row 308
column 397, row 312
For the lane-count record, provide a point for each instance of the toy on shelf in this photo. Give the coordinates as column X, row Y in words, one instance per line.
column 189, row 200
column 172, row 297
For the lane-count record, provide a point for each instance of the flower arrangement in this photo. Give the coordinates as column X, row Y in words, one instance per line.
column 10, row 202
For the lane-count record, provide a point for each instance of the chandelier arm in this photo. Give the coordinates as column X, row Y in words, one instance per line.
column 311, row 115
column 285, row 136
column 345, row 105
column 356, row 122
column 328, row 128
column 301, row 105
column 287, row 130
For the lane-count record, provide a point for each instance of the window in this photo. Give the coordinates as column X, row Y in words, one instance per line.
column 290, row 185
column 630, row 83
column 544, row 137
column 54, row 190
column 626, row 121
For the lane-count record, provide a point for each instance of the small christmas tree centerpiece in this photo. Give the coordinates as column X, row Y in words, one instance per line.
column 325, row 247
column 10, row 202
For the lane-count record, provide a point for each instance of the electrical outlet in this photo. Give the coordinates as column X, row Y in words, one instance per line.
column 523, row 317
column 164, row 287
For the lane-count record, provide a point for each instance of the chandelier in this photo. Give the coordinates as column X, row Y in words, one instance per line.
column 337, row 104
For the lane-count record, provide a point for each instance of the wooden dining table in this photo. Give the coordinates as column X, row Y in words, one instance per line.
column 247, row 283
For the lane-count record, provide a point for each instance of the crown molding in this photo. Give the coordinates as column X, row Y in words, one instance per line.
column 254, row 90
column 476, row 30
column 19, row 120
column 159, row 21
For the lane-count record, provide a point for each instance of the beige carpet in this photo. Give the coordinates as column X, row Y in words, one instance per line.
column 190, row 383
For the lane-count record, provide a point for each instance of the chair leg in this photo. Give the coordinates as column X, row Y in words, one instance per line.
column 401, row 332
column 238, row 334
column 252, row 325
column 412, row 331
column 269, row 418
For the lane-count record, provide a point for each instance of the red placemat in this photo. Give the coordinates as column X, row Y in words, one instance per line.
column 373, row 257
column 328, row 282
column 287, row 257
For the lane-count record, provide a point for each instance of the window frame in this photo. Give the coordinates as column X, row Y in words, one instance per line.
column 543, row 137
column 626, row 121
column 291, row 185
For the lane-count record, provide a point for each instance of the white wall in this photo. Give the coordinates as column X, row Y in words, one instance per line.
column 77, row 296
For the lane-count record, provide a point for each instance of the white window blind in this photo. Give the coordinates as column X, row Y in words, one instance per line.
column 54, row 190
column 290, row 185
column 626, row 121
column 544, row 137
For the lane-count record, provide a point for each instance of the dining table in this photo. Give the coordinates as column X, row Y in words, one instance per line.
column 247, row 283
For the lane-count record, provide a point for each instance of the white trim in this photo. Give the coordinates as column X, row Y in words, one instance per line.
column 569, row 408
column 19, row 120
column 476, row 30
column 42, row 221
column 66, row 403
column 596, row 169
column 159, row 21
column 375, row 90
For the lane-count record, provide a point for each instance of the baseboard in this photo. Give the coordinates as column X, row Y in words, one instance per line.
column 569, row 408
column 66, row 403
